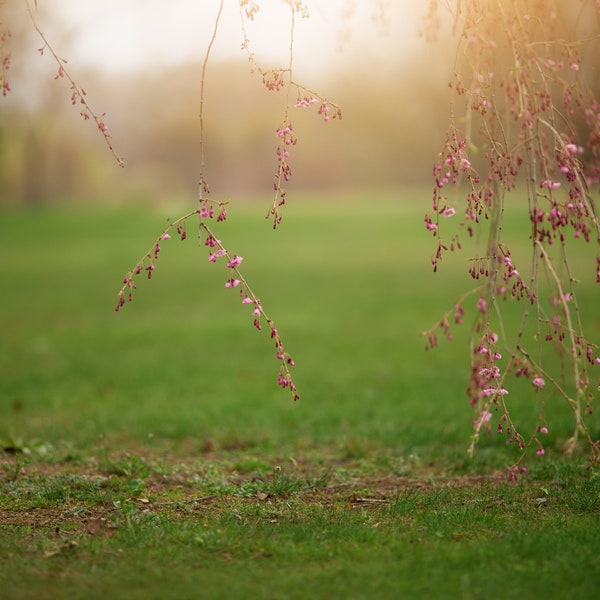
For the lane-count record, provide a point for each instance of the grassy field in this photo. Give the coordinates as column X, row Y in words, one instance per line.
column 151, row 454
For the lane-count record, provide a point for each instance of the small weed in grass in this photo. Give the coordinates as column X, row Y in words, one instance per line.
column 277, row 484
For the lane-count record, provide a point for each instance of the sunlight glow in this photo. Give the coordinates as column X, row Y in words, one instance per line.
column 123, row 35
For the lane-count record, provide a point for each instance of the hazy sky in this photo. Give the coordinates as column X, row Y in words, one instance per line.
column 124, row 34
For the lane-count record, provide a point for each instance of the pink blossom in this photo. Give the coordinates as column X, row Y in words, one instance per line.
column 494, row 391
column 514, row 472
column 231, row 283
column 551, row 185
column 283, row 381
column 213, row 257
column 236, row 261
column 492, row 373
column 540, row 451
column 207, row 212
column 574, row 66
column 212, row 242
column 485, row 416
column 165, row 236
column 543, row 430
column 482, row 305
column 538, row 382
column 305, row 102
column 573, row 149
column 450, row 212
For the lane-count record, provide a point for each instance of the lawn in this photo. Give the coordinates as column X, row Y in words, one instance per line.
column 150, row 453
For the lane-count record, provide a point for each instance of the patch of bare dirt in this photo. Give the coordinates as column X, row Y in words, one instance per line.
column 169, row 492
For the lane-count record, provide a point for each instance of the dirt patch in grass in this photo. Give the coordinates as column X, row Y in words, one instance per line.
column 177, row 489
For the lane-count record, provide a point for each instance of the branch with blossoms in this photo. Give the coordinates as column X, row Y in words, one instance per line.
column 235, row 279
column 5, row 36
column 282, row 79
column 210, row 209
column 78, row 94
column 528, row 111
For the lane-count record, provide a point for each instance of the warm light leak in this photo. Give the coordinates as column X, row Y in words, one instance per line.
column 119, row 36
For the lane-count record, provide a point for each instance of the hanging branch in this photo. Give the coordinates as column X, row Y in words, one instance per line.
column 78, row 94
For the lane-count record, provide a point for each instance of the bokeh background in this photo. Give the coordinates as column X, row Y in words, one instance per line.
column 140, row 63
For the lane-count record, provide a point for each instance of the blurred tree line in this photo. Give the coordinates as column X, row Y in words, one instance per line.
column 395, row 118
column 390, row 131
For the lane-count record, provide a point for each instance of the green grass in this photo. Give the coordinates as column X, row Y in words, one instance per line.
column 151, row 454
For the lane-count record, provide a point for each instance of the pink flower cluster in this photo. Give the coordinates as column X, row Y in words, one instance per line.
column 454, row 162
column 305, row 102
column 325, row 108
column 5, row 60
column 287, row 140
column 235, row 279
column 283, row 171
column 515, row 471
column 217, row 250
column 512, row 283
column 273, row 79
column 485, row 372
